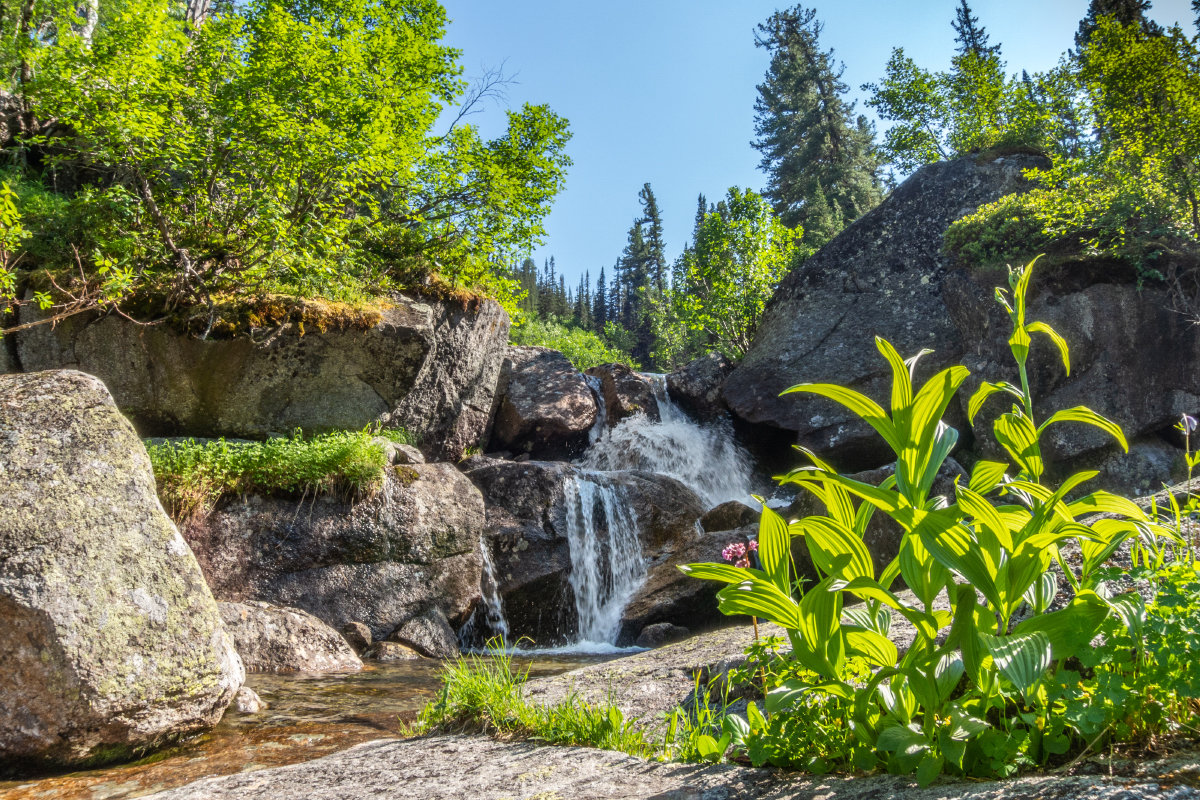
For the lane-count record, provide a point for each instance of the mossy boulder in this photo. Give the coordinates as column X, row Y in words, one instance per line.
column 428, row 367
column 110, row 640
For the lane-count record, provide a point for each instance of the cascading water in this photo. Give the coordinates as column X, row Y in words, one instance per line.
column 477, row 631
column 704, row 458
column 601, row 412
column 607, row 566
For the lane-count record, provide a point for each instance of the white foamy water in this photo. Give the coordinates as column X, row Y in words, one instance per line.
column 491, row 623
column 705, row 458
column 607, row 566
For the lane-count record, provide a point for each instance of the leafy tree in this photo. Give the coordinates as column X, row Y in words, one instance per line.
column 271, row 145
column 736, row 261
column 819, row 156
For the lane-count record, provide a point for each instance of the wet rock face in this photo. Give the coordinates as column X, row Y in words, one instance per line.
column 381, row 562
column 625, row 393
column 544, row 406
column 1133, row 359
column 697, row 386
column 881, row 276
column 431, row 368
column 274, row 639
column 527, row 529
column 110, row 641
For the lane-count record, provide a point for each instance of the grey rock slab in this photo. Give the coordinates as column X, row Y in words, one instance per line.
column 625, row 393
column 274, row 639
column 881, row 276
column 479, row 768
column 696, row 387
column 110, row 641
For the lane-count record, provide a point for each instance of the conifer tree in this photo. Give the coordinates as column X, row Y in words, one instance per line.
column 1126, row 12
column 820, row 158
column 600, row 303
column 656, row 255
column 970, row 35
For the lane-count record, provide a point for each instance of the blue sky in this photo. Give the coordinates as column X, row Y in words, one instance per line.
column 663, row 90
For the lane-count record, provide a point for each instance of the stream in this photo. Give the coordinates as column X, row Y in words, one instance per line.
column 309, row 716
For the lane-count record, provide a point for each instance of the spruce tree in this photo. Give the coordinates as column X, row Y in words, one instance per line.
column 1126, row 12
column 1196, row 11
column 655, row 248
column 600, row 303
column 970, row 35
column 820, row 158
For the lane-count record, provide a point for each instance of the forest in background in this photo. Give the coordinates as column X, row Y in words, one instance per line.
column 1119, row 117
column 172, row 156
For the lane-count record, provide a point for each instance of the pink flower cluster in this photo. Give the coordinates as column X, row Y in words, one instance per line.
column 739, row 553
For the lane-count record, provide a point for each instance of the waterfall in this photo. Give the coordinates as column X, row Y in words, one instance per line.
column 601, row 412
column 704, row 458
column 606, row 556
column 475, row 632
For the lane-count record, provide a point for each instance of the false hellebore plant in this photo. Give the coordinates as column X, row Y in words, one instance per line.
column 950, row 701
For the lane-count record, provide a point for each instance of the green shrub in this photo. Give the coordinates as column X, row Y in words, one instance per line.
column 977, row 692
column 193, row 476
column 582, row 348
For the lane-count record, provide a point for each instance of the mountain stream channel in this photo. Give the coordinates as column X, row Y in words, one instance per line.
column 313, row 715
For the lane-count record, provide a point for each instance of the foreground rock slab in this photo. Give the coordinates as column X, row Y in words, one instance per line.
column 110, row 640
column 458, row 767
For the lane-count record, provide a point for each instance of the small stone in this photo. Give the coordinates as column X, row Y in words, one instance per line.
column 407, row 454
column 357, row 635
column 391, row 651
column 247, row 701
column 661, row 633
column 429, row 634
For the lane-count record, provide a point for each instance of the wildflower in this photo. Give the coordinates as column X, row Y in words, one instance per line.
column 1187, row 424
column 753, row 546
column 734, row 552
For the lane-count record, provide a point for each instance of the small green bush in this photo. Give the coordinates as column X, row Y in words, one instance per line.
column 582, row 348
column 194, row 476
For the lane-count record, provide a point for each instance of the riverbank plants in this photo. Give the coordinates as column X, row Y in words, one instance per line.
column 193, row 476
column 998, row 676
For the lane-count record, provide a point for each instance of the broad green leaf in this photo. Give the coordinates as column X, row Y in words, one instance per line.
column 1102, row 502
column 985, row 391
column 1131, row 610
column 726, row 573
column 986, row 476
column 901, row 377
column 1070, row 629
column 858, row 403
column 836, row 550
column 1023, row 658
column 877, row 649
column 774, row 547
column 759, row 598
column 1059, row 342
column 1016, row 434
column 1087, row 416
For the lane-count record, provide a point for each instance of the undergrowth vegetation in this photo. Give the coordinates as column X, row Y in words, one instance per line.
column 193, row 476
column 583, row 348
column 1030, row 647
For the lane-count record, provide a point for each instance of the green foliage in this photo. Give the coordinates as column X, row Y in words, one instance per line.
column 483, row 693
column 582, row 348
column 739, row 255
column 194, row 476
column 819, row 157
column 976, row 692
column 276, row 145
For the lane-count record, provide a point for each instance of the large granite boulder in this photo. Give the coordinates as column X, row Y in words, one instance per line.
column 381, row 561
column 110, row 641
column 882, row 276
column 274, row 639
column 624, row 393
column 1135, row 358
column 696, row 387
column 429, row 367
column 544, row 406
column 527, row 521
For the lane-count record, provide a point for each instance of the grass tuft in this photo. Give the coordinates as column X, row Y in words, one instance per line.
column 194, row 476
